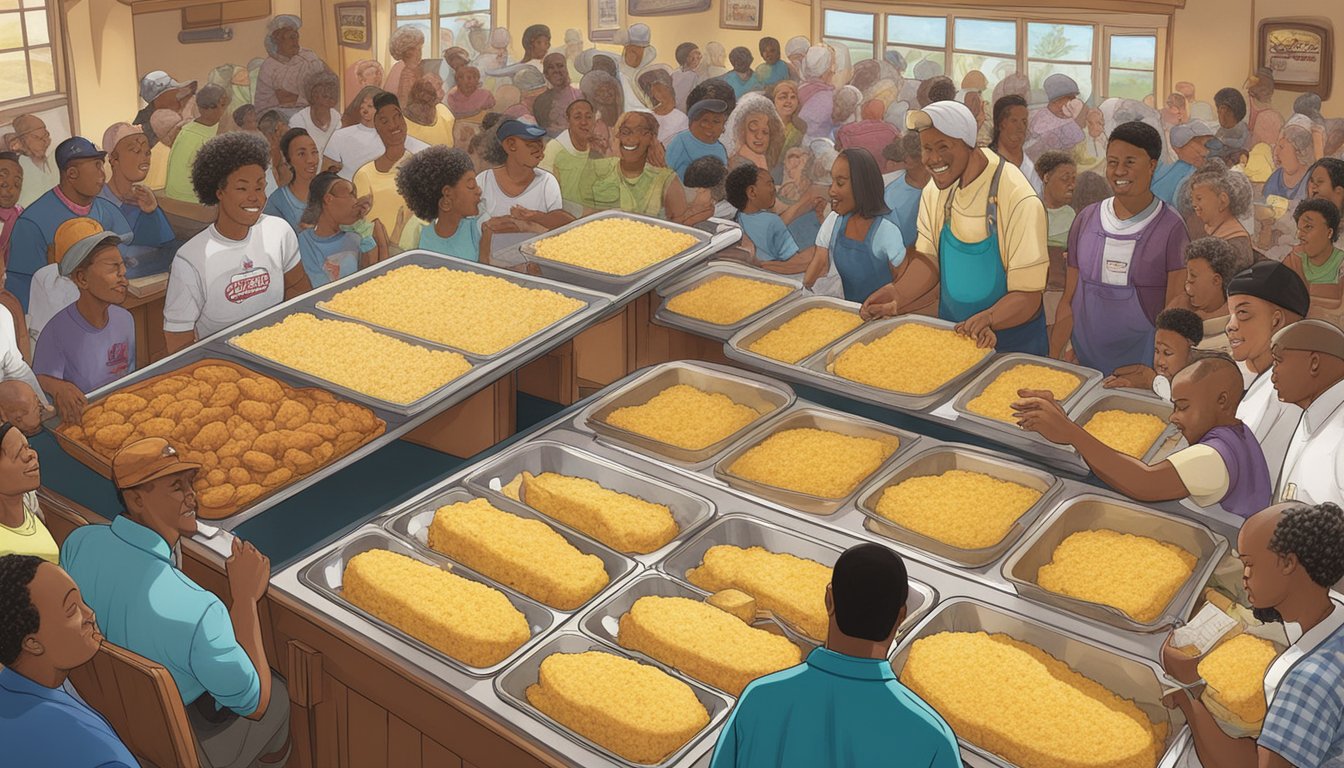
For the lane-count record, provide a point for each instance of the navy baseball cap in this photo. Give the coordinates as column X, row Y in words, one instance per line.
column 510, row 128
column 76, row 148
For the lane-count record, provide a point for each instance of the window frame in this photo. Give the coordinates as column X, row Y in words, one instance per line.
column 434, row 20
column 60, row 95
column 1157, row 57
column 877, row 25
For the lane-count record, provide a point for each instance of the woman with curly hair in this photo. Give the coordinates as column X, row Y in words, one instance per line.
column 244, row 263
column 356, row 143
column 300, row 153
column 1294, row 153
column 328, row 247
column 439, row 186
column 1219, row 198
column 754, row 133
column 407, row 47
column 637, row 180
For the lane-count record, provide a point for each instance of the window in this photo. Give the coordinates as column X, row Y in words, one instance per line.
column 1060, row 49
column 27, row 60
column 917, row 39
column 445, row 23
column 987, row 45
column 855, row 31
column 1133, row 61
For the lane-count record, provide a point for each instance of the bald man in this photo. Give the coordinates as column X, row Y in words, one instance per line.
column 1308, row 365
column 1290, row 554
column 21, row 406
column 1223, row 465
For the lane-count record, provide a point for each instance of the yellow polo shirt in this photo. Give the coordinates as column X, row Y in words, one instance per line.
column 31, row 537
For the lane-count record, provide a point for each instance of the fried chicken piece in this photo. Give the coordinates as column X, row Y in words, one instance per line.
column 247, row 493
column 278, row 477
column 182, row 409
column 214, row 375
column 211, row 437
column 326, row 413
column 259, row 462
column 299, row 461
column 225, row 394
column 304, row 441
column 215, row 477
column 291, row 414
column 324, row 431
column 239, row 476
column 270, row 443
column 217, row 496
column 112, row 436
column 157, row 427
column 194, row 391
column 125, row 403
column 139, row 417
column 214, row 413
column 230, row 463
column 347, row 440
column 234, row 447
column 255, row 411
column 169, row 386
column 74, row 432
column 324, row 452
column 321, row 396
column 105, row 419
column 261, row 388
column 160, row 403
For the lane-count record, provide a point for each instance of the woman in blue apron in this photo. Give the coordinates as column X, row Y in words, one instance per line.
column 857, row 243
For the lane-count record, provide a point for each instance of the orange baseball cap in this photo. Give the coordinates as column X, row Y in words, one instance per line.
column 76, row 239
column 146, row 460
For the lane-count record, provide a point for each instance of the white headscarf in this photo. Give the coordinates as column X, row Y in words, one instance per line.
column 817, row 61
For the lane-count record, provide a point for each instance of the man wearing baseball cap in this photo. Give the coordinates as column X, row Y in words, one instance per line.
column 159, row 90
column 1057, row 125
column 1309, row 372
column 127, row 574
column 1193, row 142
column 519, row 185
column 706, row 118
column 981, row 251
column 637, row 53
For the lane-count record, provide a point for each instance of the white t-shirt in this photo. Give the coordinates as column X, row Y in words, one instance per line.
column 304, row 119
column 543, row 195
column 1313, row 469
column 12, row 365
column 357, row 145
column 671, row 124
column 50, row 293
column 886, row 241
column 216, row 282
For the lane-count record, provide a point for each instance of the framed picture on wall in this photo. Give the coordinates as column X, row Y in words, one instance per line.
column 604, row 20
column 353, row 25
column 1299, row 53
column 667, row 7
column 740, row 14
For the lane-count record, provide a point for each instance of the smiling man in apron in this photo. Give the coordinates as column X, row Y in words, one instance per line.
column 981, row 249
column 1290, row 555
column 1125, row 260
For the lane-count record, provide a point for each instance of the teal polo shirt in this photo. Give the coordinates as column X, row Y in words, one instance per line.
column 838, row 711
column 146, row 605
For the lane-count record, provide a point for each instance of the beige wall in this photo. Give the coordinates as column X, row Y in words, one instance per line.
column 99, row 39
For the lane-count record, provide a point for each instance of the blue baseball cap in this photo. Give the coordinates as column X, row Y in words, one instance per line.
column 76, row 148
column 510, row 128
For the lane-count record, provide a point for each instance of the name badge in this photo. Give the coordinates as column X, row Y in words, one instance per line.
column 1115, row 272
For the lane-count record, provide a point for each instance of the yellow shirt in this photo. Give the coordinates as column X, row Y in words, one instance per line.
column 440, row 133
column 31, row 537
column 387, row 202
column 158, row 166
column 1022, row 222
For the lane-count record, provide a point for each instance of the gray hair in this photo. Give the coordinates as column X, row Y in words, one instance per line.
column 846, row 101
column 752, row 104
column 1223, row 259
column 405, row 39
column 211, row 96
column 283, row 21
column 320, row 80
column 1235, row 185
column 1301, row 140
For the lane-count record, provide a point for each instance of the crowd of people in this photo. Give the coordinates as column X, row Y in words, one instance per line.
column 1191, row 249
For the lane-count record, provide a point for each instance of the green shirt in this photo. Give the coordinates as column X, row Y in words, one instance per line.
column 642, row 194
column 1327, row 273
column 189, row 141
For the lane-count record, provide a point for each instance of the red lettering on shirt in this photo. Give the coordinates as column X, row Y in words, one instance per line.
column 245, row 285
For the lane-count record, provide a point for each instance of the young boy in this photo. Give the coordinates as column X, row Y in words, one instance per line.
column 752, row 192
column 1179, row 331
column 707, row 118
column 705, row 195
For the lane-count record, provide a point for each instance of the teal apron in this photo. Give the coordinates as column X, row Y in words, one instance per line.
column 972, row 279
column 861, row 271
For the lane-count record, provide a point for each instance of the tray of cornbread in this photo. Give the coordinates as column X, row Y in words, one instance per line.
column 780, row 340
column 964, row 506
column 630, row 511
column 684, row 413
column 1137, row 425
column 1115, row 562
column 442, row 607
column 717, row 299
column 1020, row 693
column 812, row 459
column 987, row 400
column 254, row 435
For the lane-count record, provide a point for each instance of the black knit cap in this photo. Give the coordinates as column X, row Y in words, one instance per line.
column 1273, row 282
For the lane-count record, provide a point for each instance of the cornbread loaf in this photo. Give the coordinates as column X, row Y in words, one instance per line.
column 685, row 417
column 527, row 555
column 1235, row 673
column 623, row 522
column 996, row 402
column 793, row 588
column 912, row 359
column 1026, row 706
column 736, row 602
column 805, row 333
column 726, row 299
column 1129, row 433
column 1135, row 574
column 355, row 357
column 704, row 642
column 467, row 620
column 479, row 314
column 636, row 710
column 969, row 510
column 814, row 461
column 605, row 246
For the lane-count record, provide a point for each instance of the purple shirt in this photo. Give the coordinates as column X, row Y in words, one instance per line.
column 73, row 350
column 1160, row 250
column 1248, row 488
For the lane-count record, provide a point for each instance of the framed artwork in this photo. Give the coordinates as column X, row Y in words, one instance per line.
column 667, row 7
column 1299, row 53
column 604, row 20
column 740, row 14
column 353, row 24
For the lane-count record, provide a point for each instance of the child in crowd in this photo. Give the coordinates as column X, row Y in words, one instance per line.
column 440, row 188
column 752, row 192
column 1179, row 332
column 705, row 194
column 468, row 101
column 1059, row 175
column 328, row 250
column 1315, row 258
column 301, row 155
column 1210, row 265
column 707, row 118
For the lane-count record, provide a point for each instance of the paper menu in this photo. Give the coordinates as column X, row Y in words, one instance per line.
column 1204, row 631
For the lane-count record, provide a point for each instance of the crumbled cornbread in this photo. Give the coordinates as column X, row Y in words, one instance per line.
column 805, row 333
column 793, row 588
column 913, row 359
column 704, row 642
column 527, row 555
column 736, row 602
column 686, row 417
column 1235, row 672
column 1135, row 574
column 726, row 299
column 1129, row 433
column 622, row 522
column 813, row 461
column 996, row 401
column 1033, row 710
column 479, row 314
column 356, row 357
column 467, row 620
column 614, row 246
column 969, row 510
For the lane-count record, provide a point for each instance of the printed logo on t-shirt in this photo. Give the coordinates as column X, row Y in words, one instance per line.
column 248, row 283
column 118, row 358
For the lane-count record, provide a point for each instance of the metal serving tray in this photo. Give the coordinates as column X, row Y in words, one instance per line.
column 665, row 316
column 820, row 364
column 325, row 576
column 1110, row 399
column 604, row 281
column 1138, row 680
column 768, row 397
column 738, row 347
column 603, row 621
column 744, row 531
column 810, row 418
column 945, row 458
column 1090, row 512
column 1011, row 433
column 513, row 684
column 413, row 526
